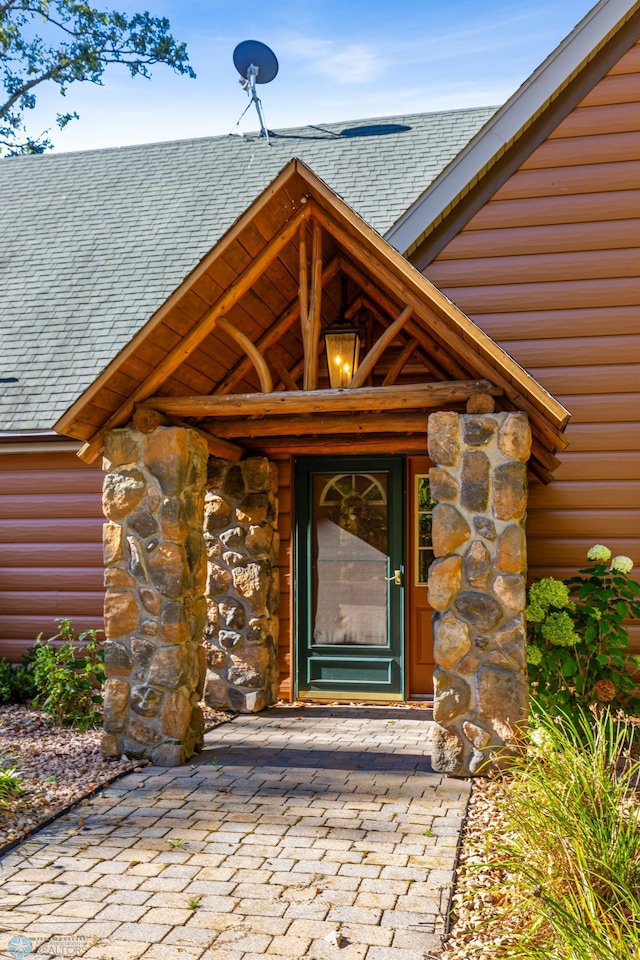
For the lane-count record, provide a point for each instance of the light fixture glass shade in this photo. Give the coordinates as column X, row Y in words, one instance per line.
column 342, row 347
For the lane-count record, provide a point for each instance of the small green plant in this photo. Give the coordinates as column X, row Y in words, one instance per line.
column 578, row 653
column 194, row 903
column 68, row 674
column 16, row 682
column 10, row 782
column 571, row 844
column 175, row 843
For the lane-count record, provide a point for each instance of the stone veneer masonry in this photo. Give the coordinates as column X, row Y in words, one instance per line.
column 240, row 529
column 477, row 585
column 155, row 609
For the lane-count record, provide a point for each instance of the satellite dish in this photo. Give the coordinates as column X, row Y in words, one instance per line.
column 256, row 63
column 253, row 53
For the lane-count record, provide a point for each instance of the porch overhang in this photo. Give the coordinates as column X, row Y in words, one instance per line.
column 237, row 351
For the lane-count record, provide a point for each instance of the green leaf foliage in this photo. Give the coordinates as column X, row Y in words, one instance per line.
column 68, row 672
column 65, row 41
column 16, row 682
column 578, row 655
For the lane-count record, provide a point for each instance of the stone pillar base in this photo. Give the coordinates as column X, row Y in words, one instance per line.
column 155, row 610
column 241, row 511
column 477, row 586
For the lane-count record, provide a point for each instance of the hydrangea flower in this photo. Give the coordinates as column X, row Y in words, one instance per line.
column 546, row 593
column 558, row 630
column 621, row 564
column 534, row 655
column 599, row 552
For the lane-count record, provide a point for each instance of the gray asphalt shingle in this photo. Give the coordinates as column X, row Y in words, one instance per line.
column 94, row 242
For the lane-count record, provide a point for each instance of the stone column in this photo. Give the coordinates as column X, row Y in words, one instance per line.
column 155, row 610
column 241, row 511
column 477, row 585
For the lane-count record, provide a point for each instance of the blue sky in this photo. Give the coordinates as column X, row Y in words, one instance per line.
column 346, row 60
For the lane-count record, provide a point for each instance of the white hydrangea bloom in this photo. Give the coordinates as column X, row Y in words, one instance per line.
column 599, row 552
column 621, row 565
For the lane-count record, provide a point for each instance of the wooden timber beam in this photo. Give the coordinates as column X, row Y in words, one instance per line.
column 311, row 323
column 364, row 302
column 146, row 420
column 281, row 370
column 378, row 348
column 356, row 424
column 552, row 435
column 217, row 447
column 284, row 322
column 397, row 367
column 266, row 383
column 406, row 397
column 414, row 443
column 198, row 332
column 442, row 364
column 469, row 351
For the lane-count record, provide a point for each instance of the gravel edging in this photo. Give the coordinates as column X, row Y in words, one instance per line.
column 59, row 767
column 478, row 921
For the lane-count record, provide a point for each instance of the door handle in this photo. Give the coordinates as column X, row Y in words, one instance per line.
column 397, row 577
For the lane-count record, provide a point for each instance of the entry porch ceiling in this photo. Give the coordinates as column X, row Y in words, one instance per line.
column 248, row 321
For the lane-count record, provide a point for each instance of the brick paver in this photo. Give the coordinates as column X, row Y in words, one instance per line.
column 319, row 832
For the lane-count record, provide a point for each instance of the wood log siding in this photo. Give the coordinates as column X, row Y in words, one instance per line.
column 50, row 546
column 51, row 550
column 285, row 612
column 550, row 268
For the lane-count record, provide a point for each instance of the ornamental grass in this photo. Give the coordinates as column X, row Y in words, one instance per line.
column 572, row 847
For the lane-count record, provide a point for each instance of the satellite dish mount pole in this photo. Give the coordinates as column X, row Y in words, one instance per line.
column 249, row 84
column 255, row 63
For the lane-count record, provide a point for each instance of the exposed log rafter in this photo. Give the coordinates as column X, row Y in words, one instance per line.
column 281, row 370
column 311, row 322
column 398, row 366
column 249, row 347
column 196, row 335
column 378, row 348
column 407, row 397
column 275, row 332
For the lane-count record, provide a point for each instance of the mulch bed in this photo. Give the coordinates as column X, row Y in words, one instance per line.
column 480, row 915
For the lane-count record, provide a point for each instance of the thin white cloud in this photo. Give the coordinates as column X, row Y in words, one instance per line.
column 349, row 64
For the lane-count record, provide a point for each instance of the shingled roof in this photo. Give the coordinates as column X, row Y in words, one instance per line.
column 95, row 242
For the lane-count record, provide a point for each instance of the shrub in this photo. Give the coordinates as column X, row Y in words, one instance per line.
column 69, row 676
column 16, row 683
column 6, row 682
column 572, row 842
column 578, row 653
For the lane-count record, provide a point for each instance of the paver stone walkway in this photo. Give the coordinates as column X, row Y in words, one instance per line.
column 319, row 832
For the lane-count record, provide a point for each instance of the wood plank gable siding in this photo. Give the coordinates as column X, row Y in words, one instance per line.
column 50, row 546
column 550, row 268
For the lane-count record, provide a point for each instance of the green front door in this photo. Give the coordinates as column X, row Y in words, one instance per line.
column 350, row 565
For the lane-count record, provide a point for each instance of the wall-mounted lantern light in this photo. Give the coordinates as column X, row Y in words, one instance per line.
column 342, row 346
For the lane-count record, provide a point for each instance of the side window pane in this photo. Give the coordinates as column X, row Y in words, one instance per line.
column 424, row 508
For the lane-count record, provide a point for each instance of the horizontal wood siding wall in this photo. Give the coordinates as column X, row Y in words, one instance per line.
column 51, row 550
column 50, row 546
column 550, row 268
